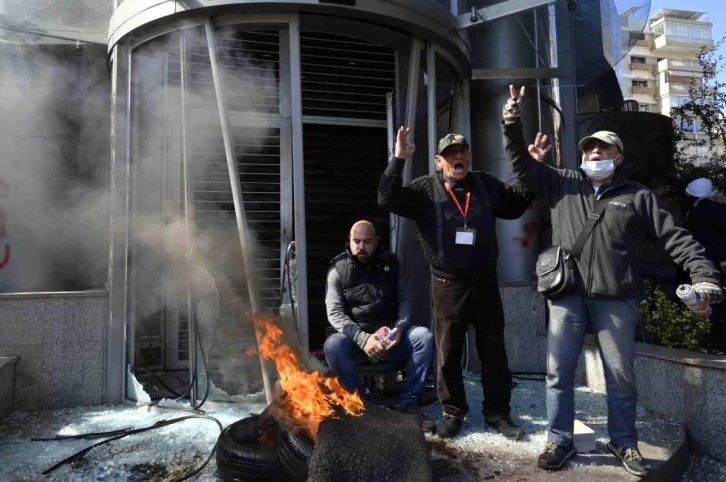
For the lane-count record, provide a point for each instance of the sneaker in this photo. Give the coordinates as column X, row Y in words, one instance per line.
column 555, row 456
column 506, row 427
column 426, row 424
column 449, row 426
column 631, row 459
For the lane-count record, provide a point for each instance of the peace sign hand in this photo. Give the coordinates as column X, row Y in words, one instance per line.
column 512, row 111
column 540, row 147
column 404, row 150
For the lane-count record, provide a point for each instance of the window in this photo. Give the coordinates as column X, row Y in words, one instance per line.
column 684, row 32
column 637, row 60
column 640, row 83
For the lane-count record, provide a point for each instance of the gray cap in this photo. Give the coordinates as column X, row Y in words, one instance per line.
column 605, row 136
column 451, row 140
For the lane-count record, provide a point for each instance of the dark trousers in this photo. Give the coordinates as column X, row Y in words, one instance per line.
column 458, row 303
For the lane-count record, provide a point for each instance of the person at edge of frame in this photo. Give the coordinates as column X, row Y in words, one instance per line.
column 608, row 283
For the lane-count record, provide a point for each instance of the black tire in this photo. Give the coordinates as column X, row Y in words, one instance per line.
column 294, row 450
column 240, row 457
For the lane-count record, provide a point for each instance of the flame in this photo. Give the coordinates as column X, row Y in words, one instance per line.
column 309, row 397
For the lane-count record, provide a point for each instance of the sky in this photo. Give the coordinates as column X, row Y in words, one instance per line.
column 716, row 15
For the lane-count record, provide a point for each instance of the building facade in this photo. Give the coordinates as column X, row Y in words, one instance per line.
column 237, row 127
column 662, row 64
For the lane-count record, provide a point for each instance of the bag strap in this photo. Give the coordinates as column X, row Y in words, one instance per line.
column 592, row 220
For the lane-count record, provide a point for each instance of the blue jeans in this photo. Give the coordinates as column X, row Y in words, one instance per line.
column 416, row 346
column 613, row 323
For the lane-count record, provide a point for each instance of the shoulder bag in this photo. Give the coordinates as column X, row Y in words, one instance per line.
column 556, row 266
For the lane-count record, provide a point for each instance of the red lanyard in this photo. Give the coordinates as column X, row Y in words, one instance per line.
column 464, row 211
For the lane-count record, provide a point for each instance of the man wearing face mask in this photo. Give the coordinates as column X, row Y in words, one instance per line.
column 608, row 283
column 455, row 211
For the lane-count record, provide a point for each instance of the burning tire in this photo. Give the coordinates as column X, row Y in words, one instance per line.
column 294, row 450
column 241, row 457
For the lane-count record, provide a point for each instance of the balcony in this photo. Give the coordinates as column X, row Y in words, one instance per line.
column 676, row 88
column 650, row 90
column 679, row 64
column 643, row 67
column 682, row 65
column 674, row 44
column 648, row 43
column 683, row 77
column 683, row 88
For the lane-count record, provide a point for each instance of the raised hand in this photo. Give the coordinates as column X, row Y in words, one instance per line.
column 512, row 111
column 540, row 147
column 404, row 149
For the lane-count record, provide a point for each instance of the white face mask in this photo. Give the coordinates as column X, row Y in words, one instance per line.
column 598, row 170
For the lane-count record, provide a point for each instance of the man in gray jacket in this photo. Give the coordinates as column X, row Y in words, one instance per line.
column 608, row 283
column 366, row 290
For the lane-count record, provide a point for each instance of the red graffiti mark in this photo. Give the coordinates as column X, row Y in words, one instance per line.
column 531, row 229
column 6, row 257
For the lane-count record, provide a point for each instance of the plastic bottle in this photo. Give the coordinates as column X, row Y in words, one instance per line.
column 689, row 297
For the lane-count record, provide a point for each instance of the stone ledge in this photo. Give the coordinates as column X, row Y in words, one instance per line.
column 55, row 294
column 7, row 361
column 683, row 357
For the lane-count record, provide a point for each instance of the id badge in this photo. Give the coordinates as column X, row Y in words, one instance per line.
column 465, row 236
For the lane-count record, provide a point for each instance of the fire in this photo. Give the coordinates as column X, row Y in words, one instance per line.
column 309, row 398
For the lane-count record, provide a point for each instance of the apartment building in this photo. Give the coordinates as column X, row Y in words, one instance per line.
column 659, row 68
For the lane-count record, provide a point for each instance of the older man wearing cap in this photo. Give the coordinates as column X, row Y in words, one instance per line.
column 608, row 285
column 455, row 211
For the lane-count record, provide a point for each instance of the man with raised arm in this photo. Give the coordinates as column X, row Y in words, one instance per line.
column 608, row 286
column 455, row 210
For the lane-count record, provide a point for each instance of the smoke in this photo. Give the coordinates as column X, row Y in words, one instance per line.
column 55, row 172
column 54, row 200
column 174, row 254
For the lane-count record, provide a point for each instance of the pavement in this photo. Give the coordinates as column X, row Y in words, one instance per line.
column 477, row 453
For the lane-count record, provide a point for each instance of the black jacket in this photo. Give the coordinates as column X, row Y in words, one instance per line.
column 707, row 223
column 609, row 260
column 370, row 292
column 426, row 201
column 359, row 298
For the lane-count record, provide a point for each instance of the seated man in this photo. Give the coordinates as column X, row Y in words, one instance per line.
column 366, row 290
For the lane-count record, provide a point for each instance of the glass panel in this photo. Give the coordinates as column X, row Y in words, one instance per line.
column 156, row 276
column 188, row 287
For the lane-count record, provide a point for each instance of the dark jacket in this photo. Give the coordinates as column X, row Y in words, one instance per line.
column 371, row 291
column 609, row 260
column 362, row 298
column 707, row 223
column 426, row 201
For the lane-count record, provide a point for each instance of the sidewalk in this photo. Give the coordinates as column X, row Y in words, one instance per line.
column 478, row 453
